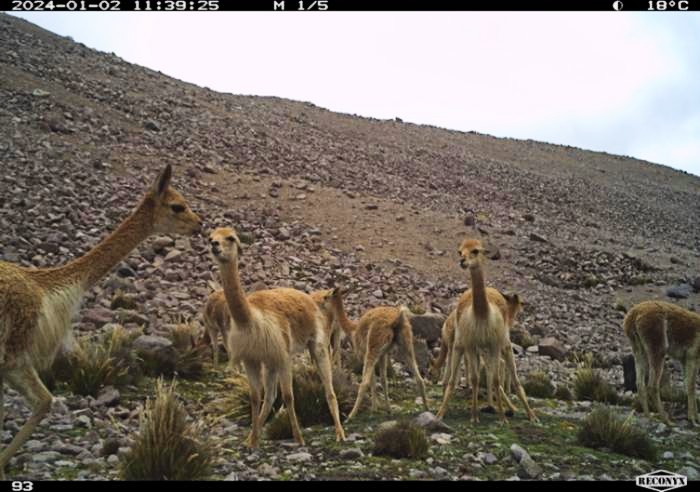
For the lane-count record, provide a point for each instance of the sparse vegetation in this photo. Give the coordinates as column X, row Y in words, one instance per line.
column 603, row 429
column 190, row 358
column 589, row 384
column 563, row 393
column 92, row 365
column 238, row 396
column 402, row 440
column 167, row 447
column 538, row 384
column 120, row 300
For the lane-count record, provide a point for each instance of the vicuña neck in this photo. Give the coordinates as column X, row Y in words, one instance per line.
column 233, row 291
column 90, row 268
column 479, row 301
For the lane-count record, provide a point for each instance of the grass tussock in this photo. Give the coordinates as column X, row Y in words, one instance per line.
column 92, row 365
column 402, row 440
column 237, row 404
column 190, row 356
column 539, row 385
column 310, row 402
column 602, row 428
column 167, row 447
column 563, row 393
column 589, row 384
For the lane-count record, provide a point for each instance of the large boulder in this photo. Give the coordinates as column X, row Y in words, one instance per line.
column 553, row 348
column 158, row 354
column 427, row 326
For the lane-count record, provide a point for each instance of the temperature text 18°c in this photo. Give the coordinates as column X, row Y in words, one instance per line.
column 318, row 5
column 669, row 5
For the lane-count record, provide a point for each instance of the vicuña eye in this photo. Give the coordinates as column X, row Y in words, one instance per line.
column 177, row 208
column 231, row 239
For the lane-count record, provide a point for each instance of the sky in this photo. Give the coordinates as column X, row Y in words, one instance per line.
column 626, row 83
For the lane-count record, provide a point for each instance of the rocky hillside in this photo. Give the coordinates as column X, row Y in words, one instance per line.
column 325, row 198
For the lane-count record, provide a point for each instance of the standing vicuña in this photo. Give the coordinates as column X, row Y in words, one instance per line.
column 267, row 327
column 657, row 328
column 378, row 331
column 482, row 333
column 37, row 305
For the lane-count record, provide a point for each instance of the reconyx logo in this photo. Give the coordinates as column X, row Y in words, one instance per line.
column 662, row 480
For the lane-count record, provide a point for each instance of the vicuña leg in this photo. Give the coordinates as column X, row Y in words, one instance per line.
column 253, row 372
column 474, row 373
column 690, row 372
column 656, row 369
column 409, row 359
column 455, row 359
column 510, row 367
column 270, row 381
column 288, row 398
column 322, row 359
column 384, row 363
column 26, row 381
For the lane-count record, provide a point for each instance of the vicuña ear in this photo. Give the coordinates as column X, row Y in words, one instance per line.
column 163, row 180
column 239, row 247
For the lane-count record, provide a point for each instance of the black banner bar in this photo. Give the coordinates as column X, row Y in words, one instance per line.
column 345, row 5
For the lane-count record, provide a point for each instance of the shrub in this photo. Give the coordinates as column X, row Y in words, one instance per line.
column 402, row 440
column 94, row 368
column 589, row 384
column 563, row 393
column 167, row 447
column 238, row 399
column 603, row 429
column 310, row 402
column 538, row 384
column 190, row 356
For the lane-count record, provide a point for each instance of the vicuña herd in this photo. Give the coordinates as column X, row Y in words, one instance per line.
column 264, row 329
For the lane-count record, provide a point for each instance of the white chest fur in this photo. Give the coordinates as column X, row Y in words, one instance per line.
column 58, row 308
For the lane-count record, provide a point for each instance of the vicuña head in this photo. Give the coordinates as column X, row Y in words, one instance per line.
column 225, row 245
column 472, row 253
column 171, row 213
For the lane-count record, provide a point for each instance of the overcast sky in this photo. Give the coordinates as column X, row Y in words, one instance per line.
column 622, row 82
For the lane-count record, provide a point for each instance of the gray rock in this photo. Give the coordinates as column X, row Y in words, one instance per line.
column 46, row 457
column 351, row 454
column 487, row 458
column 681, row 291
column 99, row 316
column 110, row 446
column 668, row 455
column 386, row 425
column 441, row 438
column 157, row 352
column 33, row 445
column 551, row 347
column 161, row 243
column 527, row 466
column 413, row 473
column 300, row 457
column 689, row 472
column 108, row 397
column 69, row 449
column 696, row 284
column 151, row 125
column 113, row 459
column 427, row 326
column 40, row 93
column 431, row 423
column 538, row 238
